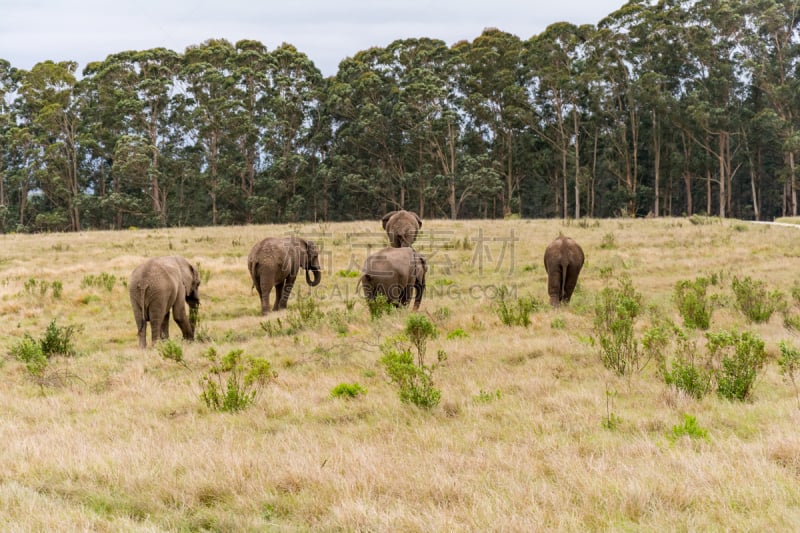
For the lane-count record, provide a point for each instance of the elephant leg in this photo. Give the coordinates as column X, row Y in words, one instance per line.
column 264, row 289
column 286, row 292
column 165, row 327
column 141, row 327
column 278, row 295
column 419, row 289
column 554, row 285
column 182, row 319
column 405, row 295
column 570, row 281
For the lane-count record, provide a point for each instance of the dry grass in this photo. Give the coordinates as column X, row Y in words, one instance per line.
column 122, row 442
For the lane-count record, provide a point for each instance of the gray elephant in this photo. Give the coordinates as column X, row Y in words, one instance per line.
column 563, row 260
column 158, row 285
column 274, row 262
column 402, row 227
column 394, row 273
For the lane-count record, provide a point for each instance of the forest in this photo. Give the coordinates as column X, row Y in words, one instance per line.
column 667, row 108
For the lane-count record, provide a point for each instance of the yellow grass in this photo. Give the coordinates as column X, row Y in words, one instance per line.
column 123, row 442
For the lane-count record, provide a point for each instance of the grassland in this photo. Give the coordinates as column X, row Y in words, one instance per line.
column 118, row 438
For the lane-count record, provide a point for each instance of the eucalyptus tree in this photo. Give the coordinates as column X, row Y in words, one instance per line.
column 772, row 54
column 495, row 101
column 7, row 121
column 367, row 146
column 295, row 88
column 48, row 108
column 557, row 85
column 210, row 85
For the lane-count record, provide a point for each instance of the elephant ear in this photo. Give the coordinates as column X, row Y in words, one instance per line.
column 386, row 218
column 419, row 220
column 420, row 266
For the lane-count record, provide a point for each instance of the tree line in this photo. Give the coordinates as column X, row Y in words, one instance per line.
column 663, row 108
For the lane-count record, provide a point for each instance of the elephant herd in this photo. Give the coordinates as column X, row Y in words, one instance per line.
column 397, row 272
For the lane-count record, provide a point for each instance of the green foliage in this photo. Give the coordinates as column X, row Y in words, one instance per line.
column 616, row 311
column 737, row 359
column 487, row 396
column 39, row 287
column 348, row 273
column 457, row 333
column 35, row 354
column 442, row 313
column 693, row 303
column 379, row 306
column 102, row 281
column 169, row 349
column 611, row 421
column 683, row 372
column 754, row 301
column 789, row 364
column 414, row 379
column 690, row 428
column 558, row 323
column 515, row 311
column 348, row 390
column 305, row 313
column 234, row 381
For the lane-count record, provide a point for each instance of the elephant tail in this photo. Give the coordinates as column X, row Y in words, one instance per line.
column 564, row 269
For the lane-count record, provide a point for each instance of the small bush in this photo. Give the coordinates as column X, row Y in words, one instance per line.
column 379, row 306
column 35, row 354
column 754, row 301
column 689, row 428
column 305, row 313
column 234, row 381
column 457, row 333
column 348, row 390
column 414, row 379
column 58, row 340
column 789, row 363
column 515, row 311
column 616, row 311
column 102, row 281
column 609, row 242
column 736, row 359
column 169, row 349
column 693, row 303
column 29, row 352
column 348, row 273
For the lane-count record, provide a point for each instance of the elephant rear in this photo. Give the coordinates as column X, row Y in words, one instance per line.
column 563, row 261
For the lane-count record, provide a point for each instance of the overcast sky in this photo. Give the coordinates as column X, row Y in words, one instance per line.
column 326, row 31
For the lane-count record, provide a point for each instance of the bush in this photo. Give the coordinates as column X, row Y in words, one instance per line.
column 348, row 390
column 103, row 281
column 36, row 353
column 616, row 311
column 754, row 301
column 693, row 303
column 169, row 349
column 689, row 428
column 379, row 306
column 789, row 363
column 736, row 359
column 515, row 311
column 414, row 379
column 234, row 381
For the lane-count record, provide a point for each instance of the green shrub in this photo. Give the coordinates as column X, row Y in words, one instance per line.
column 689, row 428
column 413, row 378
column 514, row 311
column 737, row 359
column 789, row 363
column 348, row 273
column 102, row 281
column 379, row 306
column 35, row 354
column 457, row 333
column 348, row 390
column 234, row 381
column 693, row 303
column 616, row 311
column 609, row 242
column 305, row 313
column 169, row 349
column 29, row 352
column 754, row 301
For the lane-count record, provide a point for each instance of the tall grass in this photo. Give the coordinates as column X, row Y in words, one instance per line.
column 130, row 445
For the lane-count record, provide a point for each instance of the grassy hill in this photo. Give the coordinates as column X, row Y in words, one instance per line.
column 532, row 431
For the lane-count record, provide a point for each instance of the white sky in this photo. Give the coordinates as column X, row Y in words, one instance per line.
column 327, row 31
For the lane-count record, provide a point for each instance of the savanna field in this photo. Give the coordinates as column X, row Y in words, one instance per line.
column 532, row 431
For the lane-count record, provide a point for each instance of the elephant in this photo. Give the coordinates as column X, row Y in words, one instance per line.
column 158, row 285
column 394, row 273
column 274, row 262
column 402, row 227
column 563, row 260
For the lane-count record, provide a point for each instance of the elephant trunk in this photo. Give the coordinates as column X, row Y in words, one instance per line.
column 317, row 277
